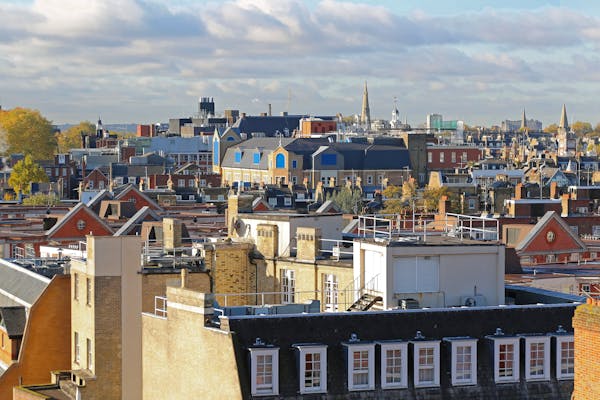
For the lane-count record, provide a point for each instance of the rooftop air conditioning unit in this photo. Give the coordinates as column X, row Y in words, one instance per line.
column 473, row 301
column 409, row 304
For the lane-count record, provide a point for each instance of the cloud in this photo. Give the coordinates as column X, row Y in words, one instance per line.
column 133, row 51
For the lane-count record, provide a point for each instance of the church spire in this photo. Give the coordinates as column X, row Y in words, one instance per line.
column 563, row 119
column 524, row 121
column 365, row 115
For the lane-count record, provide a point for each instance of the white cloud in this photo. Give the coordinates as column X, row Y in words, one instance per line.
column 131, row 52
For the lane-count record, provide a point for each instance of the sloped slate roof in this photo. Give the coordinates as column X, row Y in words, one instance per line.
column 20, row 285
column 97, row 199
column 136, row 220
column 13, row 319
column 270, row 124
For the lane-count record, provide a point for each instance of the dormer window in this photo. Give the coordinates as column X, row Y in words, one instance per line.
column 238, row 156
column 256, row 158
column 264, row 370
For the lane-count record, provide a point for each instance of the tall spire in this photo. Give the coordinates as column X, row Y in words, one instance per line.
column 524, row 121
column 563, row 119
column 365, row 114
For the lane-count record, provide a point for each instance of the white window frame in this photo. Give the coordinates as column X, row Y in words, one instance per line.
column 429, row 157
column 562, row 361
column 288, row 286
column 88, row 291
column 531, row 341
column 75, row 286
column 402, row 347
column 351, row 372
column 303, row 351
column 515, row 377
column 457, row 343
column 330, row 292
column 264, row 390
column 76, row 348
column 418, row 366
column 90, row 354
column 442, row 157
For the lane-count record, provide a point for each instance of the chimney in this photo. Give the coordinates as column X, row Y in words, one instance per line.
column 308, row 243
column 564, row 203
column 444, row 205
column 184, row 277
column 553, row 190
column 267, row 240
column 519, row 191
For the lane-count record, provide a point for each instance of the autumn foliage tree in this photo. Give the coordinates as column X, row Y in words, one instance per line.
column 26, row 131
column 432, row 196
column 24, row 173
column 71, row 138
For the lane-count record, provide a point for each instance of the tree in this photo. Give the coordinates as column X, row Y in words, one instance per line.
column 392, row 191
column 432, row 196
column 28, row 132
column 349, row 200
column 24, row 173
column 71, row 138
column 581, row 128
column 42, row 199
column 552, row 128
column 409, row 190
column 395, row 206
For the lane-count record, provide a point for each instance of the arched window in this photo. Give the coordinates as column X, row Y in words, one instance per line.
column 215, row 152
column 279, row 161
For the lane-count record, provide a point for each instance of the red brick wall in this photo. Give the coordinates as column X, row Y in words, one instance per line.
column 586, row 323
column 473, row 154
column 47, row 339
column 70, row 230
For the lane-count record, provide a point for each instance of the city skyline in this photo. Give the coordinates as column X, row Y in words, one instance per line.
column 146, row 61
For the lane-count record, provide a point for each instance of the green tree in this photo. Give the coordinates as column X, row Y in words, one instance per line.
column 71, row 138
column 552, row 128
column 432, row 196
column 24, row 173
column 28, row 132
column 349, row 200
column 392, row 191
column 41, row 199
column 581, row 128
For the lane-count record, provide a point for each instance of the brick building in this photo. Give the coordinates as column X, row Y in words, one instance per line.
column 586, row 324
column 451, row 157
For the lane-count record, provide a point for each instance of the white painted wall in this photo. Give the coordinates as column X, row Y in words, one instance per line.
column 436, row 276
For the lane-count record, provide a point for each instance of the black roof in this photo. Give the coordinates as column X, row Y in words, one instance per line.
column 271, row 125
column 13, row 320
column 333, row 329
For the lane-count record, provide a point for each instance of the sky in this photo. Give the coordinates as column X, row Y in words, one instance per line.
column 147, row 61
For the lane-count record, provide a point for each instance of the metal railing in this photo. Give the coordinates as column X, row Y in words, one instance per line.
column 352, row 292
column 336, row 250
column 264, row 298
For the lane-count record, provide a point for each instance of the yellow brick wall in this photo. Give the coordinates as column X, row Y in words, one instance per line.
column 195, row 361
column 156, row 285
column 309, row 278
column 586, row 323
column 232, row 272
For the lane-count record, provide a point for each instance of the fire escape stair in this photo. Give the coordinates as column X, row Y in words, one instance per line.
column 366, row 302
